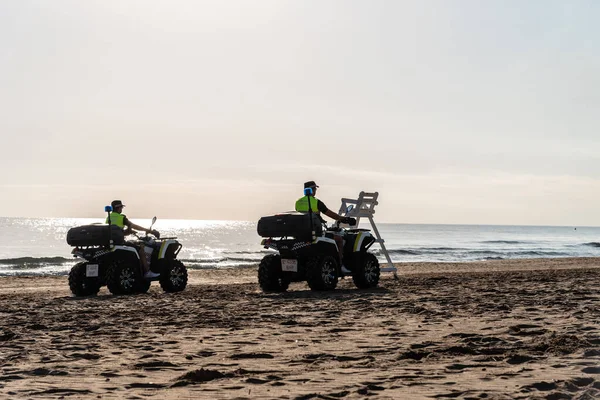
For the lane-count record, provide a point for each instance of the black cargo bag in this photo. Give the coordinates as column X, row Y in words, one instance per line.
column 95, row 235
column 291, row 224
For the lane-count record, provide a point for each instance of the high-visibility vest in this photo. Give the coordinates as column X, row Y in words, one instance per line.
column 302, row 204
column 116, row 219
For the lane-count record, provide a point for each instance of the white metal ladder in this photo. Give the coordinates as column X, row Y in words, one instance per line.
column 364, row 206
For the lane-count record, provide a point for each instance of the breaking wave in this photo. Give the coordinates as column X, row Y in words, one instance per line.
column 592, row 244
column 444, row 248
column 402, row 252
column 62, row 265
column 455, row 254
column 503, row 242
column 34, row 261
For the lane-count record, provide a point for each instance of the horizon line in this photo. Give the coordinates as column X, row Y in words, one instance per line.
column 380, row 222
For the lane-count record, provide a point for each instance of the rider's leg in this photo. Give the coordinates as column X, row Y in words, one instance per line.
column 147, row 272
column 143, row 259
column 340, row 245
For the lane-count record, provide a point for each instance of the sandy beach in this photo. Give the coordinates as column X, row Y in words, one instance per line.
column 496, row 330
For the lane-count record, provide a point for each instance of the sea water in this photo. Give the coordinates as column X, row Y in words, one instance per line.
column 37, row 246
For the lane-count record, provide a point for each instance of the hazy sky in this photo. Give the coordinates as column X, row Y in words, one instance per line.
column 455, row 111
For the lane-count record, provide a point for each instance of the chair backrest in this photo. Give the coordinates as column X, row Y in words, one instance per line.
column 364, row 206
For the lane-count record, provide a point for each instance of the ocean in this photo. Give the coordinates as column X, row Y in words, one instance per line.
column 37, row 246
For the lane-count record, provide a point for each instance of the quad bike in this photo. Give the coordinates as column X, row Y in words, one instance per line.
column 307, row 251
column 111, row 261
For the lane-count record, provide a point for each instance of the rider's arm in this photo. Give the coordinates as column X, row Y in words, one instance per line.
column 323, row 209
column 139, row 228
column 333, row 215
column 131, row 225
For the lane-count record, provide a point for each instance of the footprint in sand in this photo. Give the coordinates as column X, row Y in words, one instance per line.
column 591, row 370
column 257, row 381
column 414, row 355
column 86, row 356
column 109, row 374
column 241, row 356
column 541, row 386
column 10, row 377
column 6, row 335
column 199, row 376
column 63, row 391
column 519, row 359
column 206, row 353
column 582, row 382
column 156, row 365
column 145, row 386
column 46, row 372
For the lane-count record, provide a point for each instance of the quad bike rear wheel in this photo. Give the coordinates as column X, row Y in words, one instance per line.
column 365, row 271
column 80, row 284
column 124, row 276
column 174, row 276
column 269, row 275
column 322, row 273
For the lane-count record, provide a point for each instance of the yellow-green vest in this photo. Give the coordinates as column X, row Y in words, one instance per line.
column 302, row 204
column 116, row 219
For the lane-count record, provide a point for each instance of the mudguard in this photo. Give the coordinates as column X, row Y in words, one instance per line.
column 128, row 249
column 168, row 247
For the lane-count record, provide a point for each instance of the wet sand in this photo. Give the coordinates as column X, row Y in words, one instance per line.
column 494, row 330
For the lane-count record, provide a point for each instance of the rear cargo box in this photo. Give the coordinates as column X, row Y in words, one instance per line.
column 95, row 235
column 292, row 224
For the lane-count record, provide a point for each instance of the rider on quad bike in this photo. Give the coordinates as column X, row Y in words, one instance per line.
column 310, row 203
column 120, row 220
column 310, row 252
column 113, row 262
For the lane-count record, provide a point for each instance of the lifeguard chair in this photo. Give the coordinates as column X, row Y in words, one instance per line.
column 364, row 207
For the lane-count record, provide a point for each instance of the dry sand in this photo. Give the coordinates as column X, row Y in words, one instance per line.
column 498, row 329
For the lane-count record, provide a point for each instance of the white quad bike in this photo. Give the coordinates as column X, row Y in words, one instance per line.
column 307, row 251
column 114, row 262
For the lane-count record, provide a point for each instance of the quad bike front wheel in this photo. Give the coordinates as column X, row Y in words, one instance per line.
column 322, row 273
column 80, row 284
column 269, row 275
column 365, row 271
column 124, row 277
column 174, row 276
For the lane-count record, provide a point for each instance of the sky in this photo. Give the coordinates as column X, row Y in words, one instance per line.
column 458, row 112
